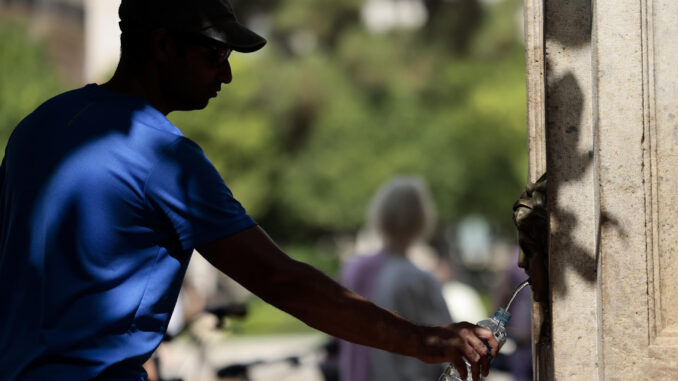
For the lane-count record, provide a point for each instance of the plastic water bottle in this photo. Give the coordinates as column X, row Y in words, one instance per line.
column 496, row 324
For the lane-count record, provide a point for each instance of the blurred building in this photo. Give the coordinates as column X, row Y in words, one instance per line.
column 82, row 36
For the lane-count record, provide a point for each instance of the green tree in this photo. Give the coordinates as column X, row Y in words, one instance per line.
column 26, row 77
column 304, row 139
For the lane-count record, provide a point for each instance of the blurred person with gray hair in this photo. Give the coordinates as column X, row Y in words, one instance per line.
column 402, row 214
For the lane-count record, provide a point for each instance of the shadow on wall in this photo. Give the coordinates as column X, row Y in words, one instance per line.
column 568, row 164
column 570, row 26
column 570, row 23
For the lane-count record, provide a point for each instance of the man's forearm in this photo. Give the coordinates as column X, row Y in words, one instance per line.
column 252, row 259
column 320, row 302
column 255, row 261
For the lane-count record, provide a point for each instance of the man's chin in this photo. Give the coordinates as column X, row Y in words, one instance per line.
column 198, row 105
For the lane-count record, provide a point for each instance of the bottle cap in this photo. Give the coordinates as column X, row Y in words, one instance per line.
column 503, row 316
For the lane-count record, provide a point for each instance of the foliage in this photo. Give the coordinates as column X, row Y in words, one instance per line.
column 305, row 137
column 26, row 77
column 263, row 318
column 307, row 131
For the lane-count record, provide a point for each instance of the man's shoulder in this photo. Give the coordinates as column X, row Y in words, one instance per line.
column 110, row 111
column 59, row 101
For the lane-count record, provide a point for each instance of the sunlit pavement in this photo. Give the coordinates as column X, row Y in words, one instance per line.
column 183, row 359
column 271, row 350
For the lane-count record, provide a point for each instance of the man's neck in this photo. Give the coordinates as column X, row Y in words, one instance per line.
column 139, row 80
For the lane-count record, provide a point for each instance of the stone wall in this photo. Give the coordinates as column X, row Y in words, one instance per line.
column 102, row 39
column 603, row 108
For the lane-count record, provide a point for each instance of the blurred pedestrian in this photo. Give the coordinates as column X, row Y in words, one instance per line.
column 402, row 214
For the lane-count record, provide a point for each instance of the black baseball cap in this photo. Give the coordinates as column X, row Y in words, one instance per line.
column 214, row 19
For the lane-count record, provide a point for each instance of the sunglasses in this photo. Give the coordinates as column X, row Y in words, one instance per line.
column 218, row 52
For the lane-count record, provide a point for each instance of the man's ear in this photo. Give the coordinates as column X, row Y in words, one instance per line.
column 163, row 45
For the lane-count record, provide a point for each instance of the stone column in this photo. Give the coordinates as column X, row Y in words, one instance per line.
column 603, row 121
column 102, row 39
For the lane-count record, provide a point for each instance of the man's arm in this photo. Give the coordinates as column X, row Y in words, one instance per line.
column 254, row 260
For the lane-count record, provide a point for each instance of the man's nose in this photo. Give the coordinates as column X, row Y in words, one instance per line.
column 225, row 73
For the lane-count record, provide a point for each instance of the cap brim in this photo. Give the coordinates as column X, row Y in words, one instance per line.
column 237, row 36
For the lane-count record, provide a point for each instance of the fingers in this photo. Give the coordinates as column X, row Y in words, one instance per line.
column 461, row 367
column 463, row 341
column 481, row 355
column 474, row 349
column 475, row 371
column 484, row 357
column 487, row 339
column 476, row 338
column 485, row 365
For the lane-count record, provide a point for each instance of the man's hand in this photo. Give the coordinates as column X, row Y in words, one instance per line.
column 452, row 343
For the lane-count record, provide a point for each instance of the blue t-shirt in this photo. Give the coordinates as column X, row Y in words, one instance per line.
column 102, row 201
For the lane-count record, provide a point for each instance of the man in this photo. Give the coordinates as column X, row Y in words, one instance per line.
column 103, row 200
